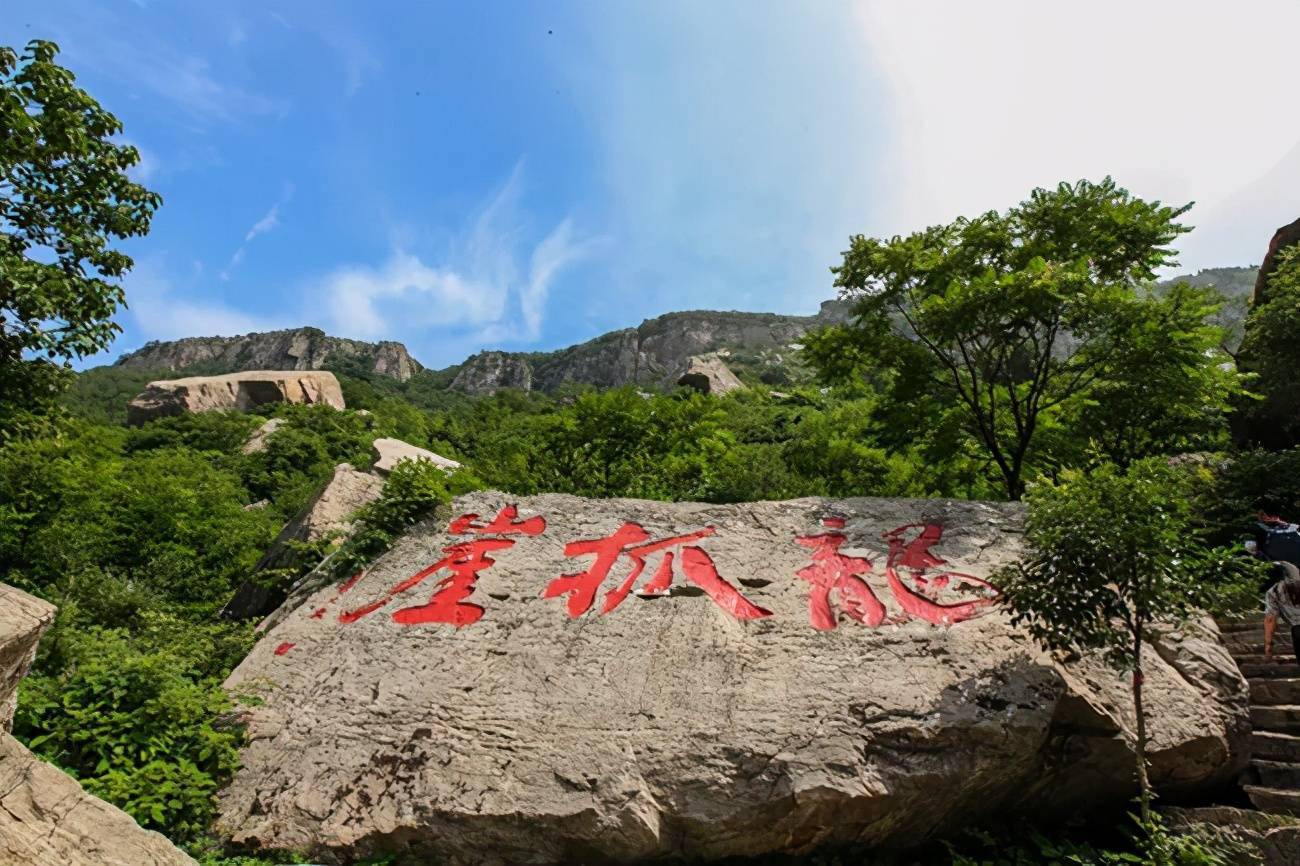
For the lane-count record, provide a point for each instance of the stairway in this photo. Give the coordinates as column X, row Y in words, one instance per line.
column 1274, row 777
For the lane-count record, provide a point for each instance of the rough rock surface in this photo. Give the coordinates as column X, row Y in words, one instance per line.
column 328, row 511
column 655, row 353
column 389, row 452
column 45, row 816
column 257, row 441
column 489, row 372
column 670, row 726
column 233, row 391
column 23, row 618
column 709, row 375
column 297, row 349
column 1284, row 237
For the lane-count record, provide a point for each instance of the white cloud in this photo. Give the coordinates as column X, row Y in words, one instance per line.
column 476, row 286
column 1177, row 99
column 268, row 222
column 162, row 309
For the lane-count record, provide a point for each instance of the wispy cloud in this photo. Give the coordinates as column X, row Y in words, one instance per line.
column 162, row 308
column 265, row 224
column 477, row 285
column 269, row 222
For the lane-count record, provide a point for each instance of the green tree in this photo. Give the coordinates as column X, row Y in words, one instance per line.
column 1270, row 351
column 1112, row 554
column 1011, row 314
column 64, row 196
column 1169, row 387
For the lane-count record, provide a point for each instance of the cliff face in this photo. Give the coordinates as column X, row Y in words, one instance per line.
column 656, row 353
column 297, row 349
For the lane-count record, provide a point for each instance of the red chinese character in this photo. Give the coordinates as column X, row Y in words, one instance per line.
column 503, row 524
column 834, row 571
column 696, row 564
column 915, row 556
column 464, row 560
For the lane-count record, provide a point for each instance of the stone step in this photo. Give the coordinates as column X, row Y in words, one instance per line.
column 1239, row 625
column 1272, row 691
column 1281, row 667
column 1276, row 717
column 1279, row 801
column 1270, row 746
column 1255, row 646
column 1276, row 774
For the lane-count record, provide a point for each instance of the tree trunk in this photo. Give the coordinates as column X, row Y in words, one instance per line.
column 1144, row 782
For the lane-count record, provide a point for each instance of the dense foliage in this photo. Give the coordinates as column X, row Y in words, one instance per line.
column 1013, row 323
column 1113, row 555
column 1271, row 352
column 64, row 197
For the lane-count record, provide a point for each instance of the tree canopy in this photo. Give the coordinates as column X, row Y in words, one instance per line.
column 1009, row 317
column 65, row 196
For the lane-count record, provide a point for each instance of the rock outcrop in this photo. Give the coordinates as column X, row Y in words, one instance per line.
column 45, row 816
column 709, row 375
column 233, row 391
column 554, row 680
column 656, row 353
column 489, row 372
column 329, row 511
column 297, row 349
column 257, row 442
column 1284, row 237
column 389, row 452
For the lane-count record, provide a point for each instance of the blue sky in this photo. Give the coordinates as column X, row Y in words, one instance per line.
column 526, row 175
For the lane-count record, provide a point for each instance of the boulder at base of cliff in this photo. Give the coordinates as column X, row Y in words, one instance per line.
column 260, row 437
column 709, row 375
column 233, row 391
column 389, row 452
column 330, row 510
column 556, row 680
column 45, row 816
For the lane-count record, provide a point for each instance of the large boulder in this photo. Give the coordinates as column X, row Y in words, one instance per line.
column 708, row 374
column 769, row 677
column 329, row 511
column 45, row 816
column 233, row 391
column 389, row 452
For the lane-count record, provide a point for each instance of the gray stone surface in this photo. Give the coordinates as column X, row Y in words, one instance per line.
column 258, row 440
column 45, row 816
column 389, row 452
column 670, row 727
column 329, row 511
column 489, row 372
column 23, row 619
column 233, row 391
column 296, row 349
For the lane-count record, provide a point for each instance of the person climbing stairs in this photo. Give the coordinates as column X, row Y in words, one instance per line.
column 1273, row 780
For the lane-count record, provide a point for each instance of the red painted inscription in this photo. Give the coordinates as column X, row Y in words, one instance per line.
column 833, row 572
column 464, row 560
column 633, row 541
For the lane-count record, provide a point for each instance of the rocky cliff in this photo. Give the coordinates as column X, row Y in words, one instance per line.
column 297, row 349
column 561, row 680
column 656, row 353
